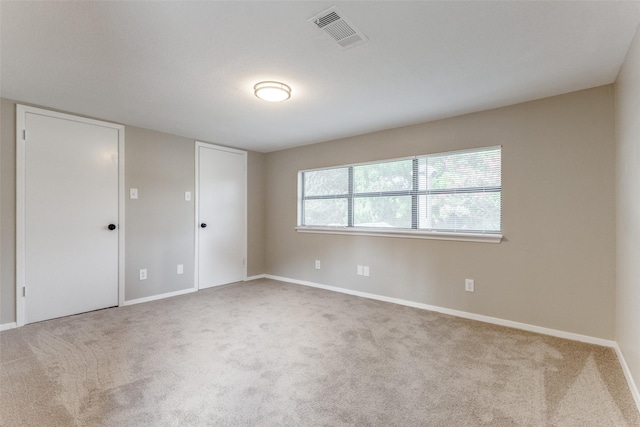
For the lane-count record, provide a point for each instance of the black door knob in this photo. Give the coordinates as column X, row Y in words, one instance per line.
column 111, row 227
column 203, row 225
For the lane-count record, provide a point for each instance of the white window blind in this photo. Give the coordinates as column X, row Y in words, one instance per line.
column 455, row 192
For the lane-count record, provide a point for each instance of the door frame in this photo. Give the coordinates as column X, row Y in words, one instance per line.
column 21, row 133
column 196, row 263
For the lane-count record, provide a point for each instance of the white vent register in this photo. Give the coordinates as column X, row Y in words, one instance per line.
column 333, row 22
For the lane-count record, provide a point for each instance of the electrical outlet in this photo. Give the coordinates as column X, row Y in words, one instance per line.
column 359, row 270
column 317, row 264
column 365, row 271
column 180, row 269
column 143, row 274
column 469, row 285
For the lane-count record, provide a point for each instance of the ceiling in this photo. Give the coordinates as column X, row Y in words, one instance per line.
column 188, row 68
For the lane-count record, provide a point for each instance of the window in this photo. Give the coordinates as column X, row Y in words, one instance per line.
column 455, row 195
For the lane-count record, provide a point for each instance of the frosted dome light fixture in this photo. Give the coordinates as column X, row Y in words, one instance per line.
column 272, row 91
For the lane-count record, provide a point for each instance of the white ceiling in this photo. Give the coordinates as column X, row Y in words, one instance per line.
column 188, row 68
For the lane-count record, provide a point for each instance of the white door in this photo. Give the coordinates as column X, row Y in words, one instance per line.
column 221, row 215
column 70, row 192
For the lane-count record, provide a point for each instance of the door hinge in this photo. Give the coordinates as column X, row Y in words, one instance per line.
column 24, row 291
column 24, row 134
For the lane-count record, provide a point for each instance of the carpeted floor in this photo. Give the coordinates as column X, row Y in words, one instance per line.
column 267, row 353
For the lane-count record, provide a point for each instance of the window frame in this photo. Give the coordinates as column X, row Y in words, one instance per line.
column 415, row 192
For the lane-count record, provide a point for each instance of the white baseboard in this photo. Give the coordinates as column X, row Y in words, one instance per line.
column 259, row 276
column 161, row 296
column 627, row 374
column 5, row 326
column 457, row 313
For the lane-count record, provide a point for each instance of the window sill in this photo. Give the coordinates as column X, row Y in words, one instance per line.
column 408, row 234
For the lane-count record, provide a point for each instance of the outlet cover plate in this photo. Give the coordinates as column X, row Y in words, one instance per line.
column 469, row 285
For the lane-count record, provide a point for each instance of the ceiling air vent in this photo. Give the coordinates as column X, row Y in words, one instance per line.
column 332, row 22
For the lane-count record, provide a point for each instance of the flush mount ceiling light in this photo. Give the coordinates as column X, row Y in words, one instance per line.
column 272, row 91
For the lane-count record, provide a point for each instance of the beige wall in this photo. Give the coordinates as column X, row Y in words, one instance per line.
column 159, row 225
column 555, row 267
column 7, row 211
column 627, row 110
column 255, row 208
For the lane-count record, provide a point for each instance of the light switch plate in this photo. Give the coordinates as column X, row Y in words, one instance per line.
column 133, row 193
column 180, row 269
column 187, row 196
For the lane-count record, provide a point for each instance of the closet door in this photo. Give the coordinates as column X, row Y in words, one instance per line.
column 69, row 193
column 221, row 215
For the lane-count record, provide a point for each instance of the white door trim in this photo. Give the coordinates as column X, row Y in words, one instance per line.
column 21, row 112
column 199, row 144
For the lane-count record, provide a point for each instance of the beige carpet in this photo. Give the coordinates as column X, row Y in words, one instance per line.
column 266, row 353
